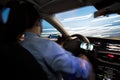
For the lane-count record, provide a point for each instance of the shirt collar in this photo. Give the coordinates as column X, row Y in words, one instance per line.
column 31, row 34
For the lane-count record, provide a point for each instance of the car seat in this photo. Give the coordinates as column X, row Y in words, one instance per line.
column 16, row 62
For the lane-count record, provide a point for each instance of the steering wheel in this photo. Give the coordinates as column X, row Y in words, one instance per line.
column 79, row 37
column 82, row 38
column 72, row 43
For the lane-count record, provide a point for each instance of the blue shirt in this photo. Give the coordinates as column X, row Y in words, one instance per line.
column 60, row 60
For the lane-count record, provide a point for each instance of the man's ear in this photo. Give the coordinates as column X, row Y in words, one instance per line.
column 37, row 23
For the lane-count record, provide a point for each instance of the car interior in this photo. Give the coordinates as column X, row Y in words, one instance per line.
column 103, row 52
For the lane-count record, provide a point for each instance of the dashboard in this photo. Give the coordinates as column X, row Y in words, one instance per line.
column 106, row 62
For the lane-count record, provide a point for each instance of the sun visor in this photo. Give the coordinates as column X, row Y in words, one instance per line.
column 114, row 8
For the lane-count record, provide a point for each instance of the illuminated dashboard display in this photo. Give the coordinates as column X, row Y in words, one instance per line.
column 86, row 46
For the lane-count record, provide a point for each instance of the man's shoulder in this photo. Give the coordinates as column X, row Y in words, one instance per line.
column 49, row 42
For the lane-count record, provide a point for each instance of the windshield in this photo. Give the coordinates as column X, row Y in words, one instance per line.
column 82, row 21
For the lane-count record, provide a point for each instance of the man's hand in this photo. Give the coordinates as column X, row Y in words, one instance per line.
column 92, row 73
column 83, row 57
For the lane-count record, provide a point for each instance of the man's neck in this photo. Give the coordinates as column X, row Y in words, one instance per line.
column 35, row 30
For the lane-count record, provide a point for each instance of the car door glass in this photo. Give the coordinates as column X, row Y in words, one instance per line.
column 49, row 31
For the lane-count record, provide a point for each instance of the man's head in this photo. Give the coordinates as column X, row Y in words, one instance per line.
column 22, row 16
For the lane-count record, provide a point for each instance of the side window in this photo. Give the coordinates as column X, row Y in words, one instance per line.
column 49, row 31
column 5, row 14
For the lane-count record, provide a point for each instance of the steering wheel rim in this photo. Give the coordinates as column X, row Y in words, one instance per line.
column 79, row 36
column 84, row 38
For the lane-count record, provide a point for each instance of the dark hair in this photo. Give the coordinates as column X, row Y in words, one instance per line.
column 21, row 17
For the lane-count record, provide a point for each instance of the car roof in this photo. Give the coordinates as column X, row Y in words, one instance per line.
column 57, row 6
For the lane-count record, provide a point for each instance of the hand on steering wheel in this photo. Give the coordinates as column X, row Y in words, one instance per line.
column 72, row 43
